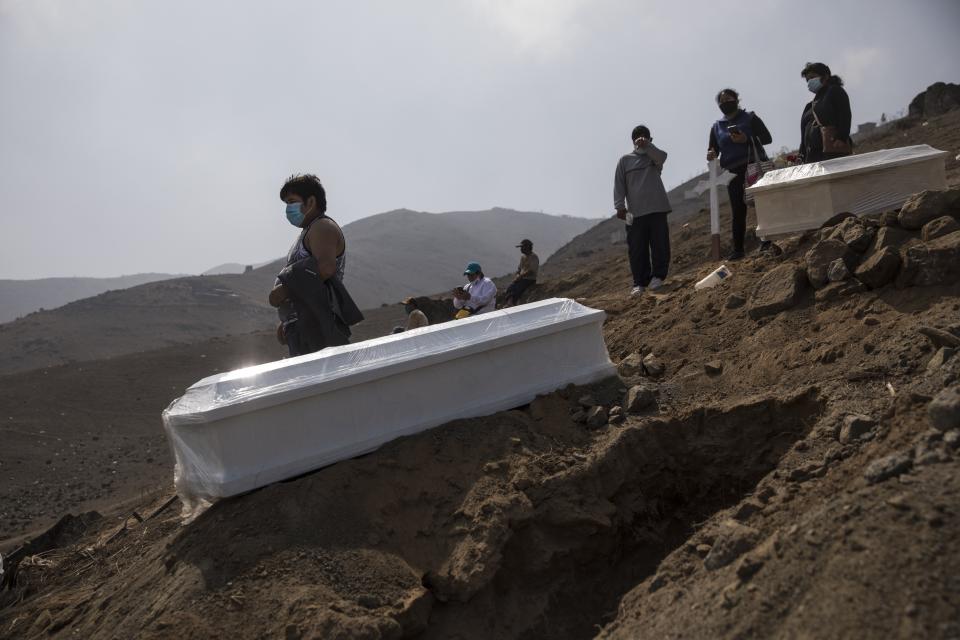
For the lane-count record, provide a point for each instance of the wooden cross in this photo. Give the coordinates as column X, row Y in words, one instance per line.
column 712, row 182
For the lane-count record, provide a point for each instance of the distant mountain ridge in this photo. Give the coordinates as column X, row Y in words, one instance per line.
column 390, row 255
column 20, row 297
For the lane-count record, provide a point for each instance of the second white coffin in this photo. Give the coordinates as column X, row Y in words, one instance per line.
column 804, row 197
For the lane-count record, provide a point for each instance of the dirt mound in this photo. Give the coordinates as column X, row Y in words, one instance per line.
column 525, row 514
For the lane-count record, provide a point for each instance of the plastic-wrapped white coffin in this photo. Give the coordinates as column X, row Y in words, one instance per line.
column 241, row 430
column 804, row 197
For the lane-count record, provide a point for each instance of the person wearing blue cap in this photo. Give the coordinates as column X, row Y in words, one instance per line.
column 479, row 295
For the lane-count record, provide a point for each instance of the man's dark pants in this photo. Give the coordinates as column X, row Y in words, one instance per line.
column 648, row 245
column 516, row 289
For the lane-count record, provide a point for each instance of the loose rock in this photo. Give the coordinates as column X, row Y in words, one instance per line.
column 596, row 417
column 930, row 453
column 631, row 366
column 837, row 290
column 746, row 509
column 854, row 234
column 890, row 237
column 639, row 397
column 735, row 301
column 734, row 540
column 879, row 269
column 856, row 426
column 653, row 366
column 944, row 409
column 889, row 219
column 940, row 227
column 940, row 358
column 951, row 439
column 931, row 263
column 778, row 290
column 821, row 255
column 838, row 271
column 939, row 338
column 888, row 467
column 714, row 367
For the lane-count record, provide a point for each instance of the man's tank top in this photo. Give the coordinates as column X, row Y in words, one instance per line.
column 298, row 252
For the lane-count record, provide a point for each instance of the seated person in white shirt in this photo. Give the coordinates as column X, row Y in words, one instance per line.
column 478, row 296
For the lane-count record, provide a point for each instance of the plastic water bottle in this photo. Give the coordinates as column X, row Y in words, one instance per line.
column 719, row 274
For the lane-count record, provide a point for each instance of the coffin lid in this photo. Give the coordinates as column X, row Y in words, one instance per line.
column 846, row 166
column 273, row 383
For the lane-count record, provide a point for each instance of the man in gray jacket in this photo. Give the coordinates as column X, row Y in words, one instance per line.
column 641, row 201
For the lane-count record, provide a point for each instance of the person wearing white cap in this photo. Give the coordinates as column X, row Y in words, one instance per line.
column 478, row 296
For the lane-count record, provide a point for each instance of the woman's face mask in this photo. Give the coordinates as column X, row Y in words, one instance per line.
column 729, row 107
column 814, row 84
column 295, row 213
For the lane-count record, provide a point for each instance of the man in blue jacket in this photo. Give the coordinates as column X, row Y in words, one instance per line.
column 641, row 201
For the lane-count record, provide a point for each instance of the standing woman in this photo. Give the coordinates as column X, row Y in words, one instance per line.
column 730, row 140
column 825, row 123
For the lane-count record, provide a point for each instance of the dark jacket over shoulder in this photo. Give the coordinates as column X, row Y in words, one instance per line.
column 325, row 310
column 832, row 107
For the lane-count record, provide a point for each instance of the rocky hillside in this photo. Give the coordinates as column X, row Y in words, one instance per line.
column 778, row 457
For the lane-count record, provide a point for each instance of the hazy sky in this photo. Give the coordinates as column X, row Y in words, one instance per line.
column 154, row 135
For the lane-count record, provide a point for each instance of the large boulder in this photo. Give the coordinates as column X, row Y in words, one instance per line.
column 890, row 237
column 822, row 254
column 879, row 269
column 939, row 98
column 778, row 290
column 942, row 226
column 931, row 263
column 925, row 206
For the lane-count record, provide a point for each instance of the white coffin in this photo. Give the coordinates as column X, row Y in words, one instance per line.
column 237, row 431
column 804, row 197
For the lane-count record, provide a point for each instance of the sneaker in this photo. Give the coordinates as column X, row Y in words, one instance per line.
column 765, row 246
column 655, row 284
column 735, row 255
column 636, row 291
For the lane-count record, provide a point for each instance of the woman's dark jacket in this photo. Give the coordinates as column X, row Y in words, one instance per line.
column 832, row 105
column 324, row 308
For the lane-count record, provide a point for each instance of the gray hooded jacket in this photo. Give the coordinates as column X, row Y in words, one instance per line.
column 638, row 181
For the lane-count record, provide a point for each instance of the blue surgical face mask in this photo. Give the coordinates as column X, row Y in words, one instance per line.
column 814, row 84
column 295, row 214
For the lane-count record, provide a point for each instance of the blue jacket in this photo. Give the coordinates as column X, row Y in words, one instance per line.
column 735, row 155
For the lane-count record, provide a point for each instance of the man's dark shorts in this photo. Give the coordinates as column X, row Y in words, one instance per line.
column 516, row 289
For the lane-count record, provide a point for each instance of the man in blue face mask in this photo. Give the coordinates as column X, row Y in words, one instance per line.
column 318, row 256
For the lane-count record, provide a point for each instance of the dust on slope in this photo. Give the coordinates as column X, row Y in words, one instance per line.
column 88, row 435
